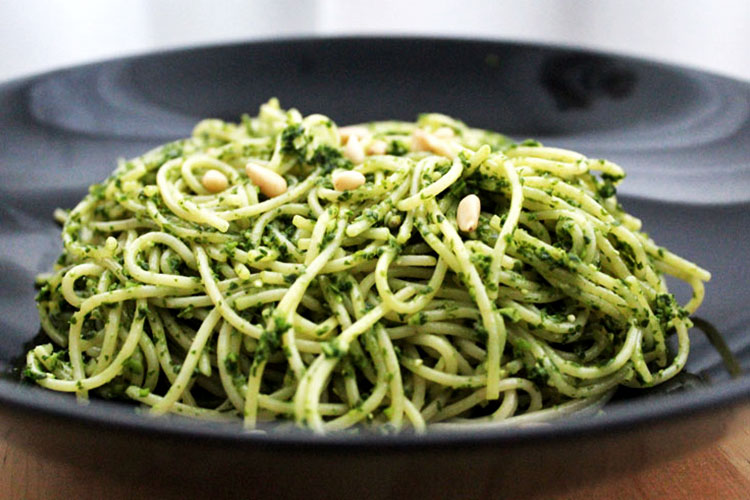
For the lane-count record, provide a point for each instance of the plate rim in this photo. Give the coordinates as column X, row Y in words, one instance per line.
column 15, row 397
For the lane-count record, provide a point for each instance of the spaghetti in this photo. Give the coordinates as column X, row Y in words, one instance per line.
column 285, row 269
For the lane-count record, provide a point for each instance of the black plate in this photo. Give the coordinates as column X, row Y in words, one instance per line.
column 682, row 135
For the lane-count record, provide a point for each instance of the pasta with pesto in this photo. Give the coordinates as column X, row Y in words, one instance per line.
column 389, row 275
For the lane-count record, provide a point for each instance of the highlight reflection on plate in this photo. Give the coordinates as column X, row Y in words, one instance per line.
column 681, row 129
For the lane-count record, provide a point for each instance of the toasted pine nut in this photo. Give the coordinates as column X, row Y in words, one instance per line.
column 214, row 181
column 346, row 180
column 352, row 131
column 423, row 141
column 354, row 150
column 419, row 140
column 269, row 182
column 377, row 147
column 444, row 133
column 467, row 215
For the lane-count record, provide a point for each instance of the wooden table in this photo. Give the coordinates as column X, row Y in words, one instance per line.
column 720, row 471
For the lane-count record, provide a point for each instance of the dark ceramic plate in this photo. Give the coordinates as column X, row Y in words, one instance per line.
column 682, row 135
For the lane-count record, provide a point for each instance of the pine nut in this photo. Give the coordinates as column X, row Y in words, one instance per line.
column 269, row 182
column 420, row 141
column 377, row 147
column 354, row 150
column 467, row 215
column 214, row 181
column 444, row 133
column 346, row 180
column 352, row 131
column 423, row 141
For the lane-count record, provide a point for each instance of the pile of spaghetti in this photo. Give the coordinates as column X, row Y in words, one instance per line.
column 392, row 275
